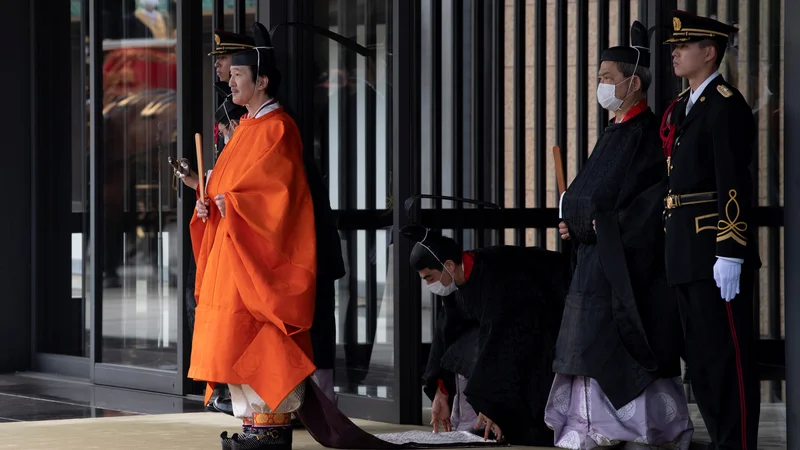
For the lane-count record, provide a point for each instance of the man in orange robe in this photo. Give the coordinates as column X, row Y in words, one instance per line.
column 255, row 249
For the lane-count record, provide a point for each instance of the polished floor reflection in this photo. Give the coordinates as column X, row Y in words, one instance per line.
column 31, row 397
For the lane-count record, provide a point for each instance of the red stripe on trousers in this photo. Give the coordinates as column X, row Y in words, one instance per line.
column 739, row 374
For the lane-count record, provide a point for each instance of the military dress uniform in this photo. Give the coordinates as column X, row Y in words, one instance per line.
column 708, row 216
column 226, row 44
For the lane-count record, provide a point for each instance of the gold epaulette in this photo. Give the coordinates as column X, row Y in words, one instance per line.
column 724, row 91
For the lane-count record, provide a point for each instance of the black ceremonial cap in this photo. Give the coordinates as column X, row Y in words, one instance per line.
column 431, row 248
column 228, row 43
column 687, row 27
column 262, row 55
column 639, row 50
column 228, row 111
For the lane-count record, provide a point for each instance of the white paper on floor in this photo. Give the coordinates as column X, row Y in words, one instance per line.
column 428, row 437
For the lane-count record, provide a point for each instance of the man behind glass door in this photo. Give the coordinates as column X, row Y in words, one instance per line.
column 228, row 115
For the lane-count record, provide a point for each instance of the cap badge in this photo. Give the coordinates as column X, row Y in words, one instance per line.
column 216, row 38
column 676, row 23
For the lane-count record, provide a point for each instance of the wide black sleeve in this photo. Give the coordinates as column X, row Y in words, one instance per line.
column 732, row 136
column 453, row 347
column 433, row 370
column 511, row 357
column 579, row 214
column 630, row 244
column 590, row 195
column 520, row 315
column 330, row 262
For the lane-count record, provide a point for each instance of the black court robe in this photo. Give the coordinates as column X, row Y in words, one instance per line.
column 454, row 348
column 330, row 267
column 621, row 325
column 500, row 329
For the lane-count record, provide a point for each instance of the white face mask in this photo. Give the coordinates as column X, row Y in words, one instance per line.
column 440, row 289
column 607, row 93
column 607, row 97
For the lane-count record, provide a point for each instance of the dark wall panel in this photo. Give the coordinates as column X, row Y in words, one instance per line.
column 59, row 321
column 15, row 258
column 792, row 244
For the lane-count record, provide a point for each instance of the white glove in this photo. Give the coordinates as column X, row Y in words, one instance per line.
column 726, row 274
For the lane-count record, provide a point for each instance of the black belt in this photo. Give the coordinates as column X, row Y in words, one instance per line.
column 673, row 201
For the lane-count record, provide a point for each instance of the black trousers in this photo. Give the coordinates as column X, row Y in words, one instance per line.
column 720, row 343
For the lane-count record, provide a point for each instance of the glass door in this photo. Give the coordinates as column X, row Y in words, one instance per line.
column 351, row 143
column 140, row 301
column 138, row 340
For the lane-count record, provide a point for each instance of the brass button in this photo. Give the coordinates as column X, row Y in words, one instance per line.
column 669, row 215
column 671, row 167
column 679, row 143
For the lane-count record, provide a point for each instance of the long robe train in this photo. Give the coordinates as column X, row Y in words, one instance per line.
column 332, row 429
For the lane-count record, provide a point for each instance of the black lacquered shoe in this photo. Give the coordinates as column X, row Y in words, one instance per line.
column 297, row 424
column 272, row 438
column 223, row 405
column 227, row 442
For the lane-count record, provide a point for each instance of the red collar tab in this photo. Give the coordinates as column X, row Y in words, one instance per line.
column 468, row 259
column 635, row 110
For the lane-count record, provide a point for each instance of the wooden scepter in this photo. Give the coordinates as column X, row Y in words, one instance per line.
column 560, row 173
column 201, row 175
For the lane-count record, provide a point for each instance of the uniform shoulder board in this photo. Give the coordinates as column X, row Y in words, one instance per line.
column 684, row 91
column 724, row 91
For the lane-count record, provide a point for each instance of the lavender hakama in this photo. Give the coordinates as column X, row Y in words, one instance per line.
column 583, row 418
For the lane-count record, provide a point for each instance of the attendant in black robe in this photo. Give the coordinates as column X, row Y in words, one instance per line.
column 618, row 353
column 498, row 330
column 226, row 118
column 330, row 267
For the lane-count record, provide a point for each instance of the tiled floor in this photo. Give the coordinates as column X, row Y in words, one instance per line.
column 163, row 432
column 771, row 430
column 34, row 398
column 45, row 413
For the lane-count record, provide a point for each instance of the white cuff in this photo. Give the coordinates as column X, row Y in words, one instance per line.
column 560, row 200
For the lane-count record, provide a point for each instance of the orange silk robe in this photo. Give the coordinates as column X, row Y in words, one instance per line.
column 256, row 267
